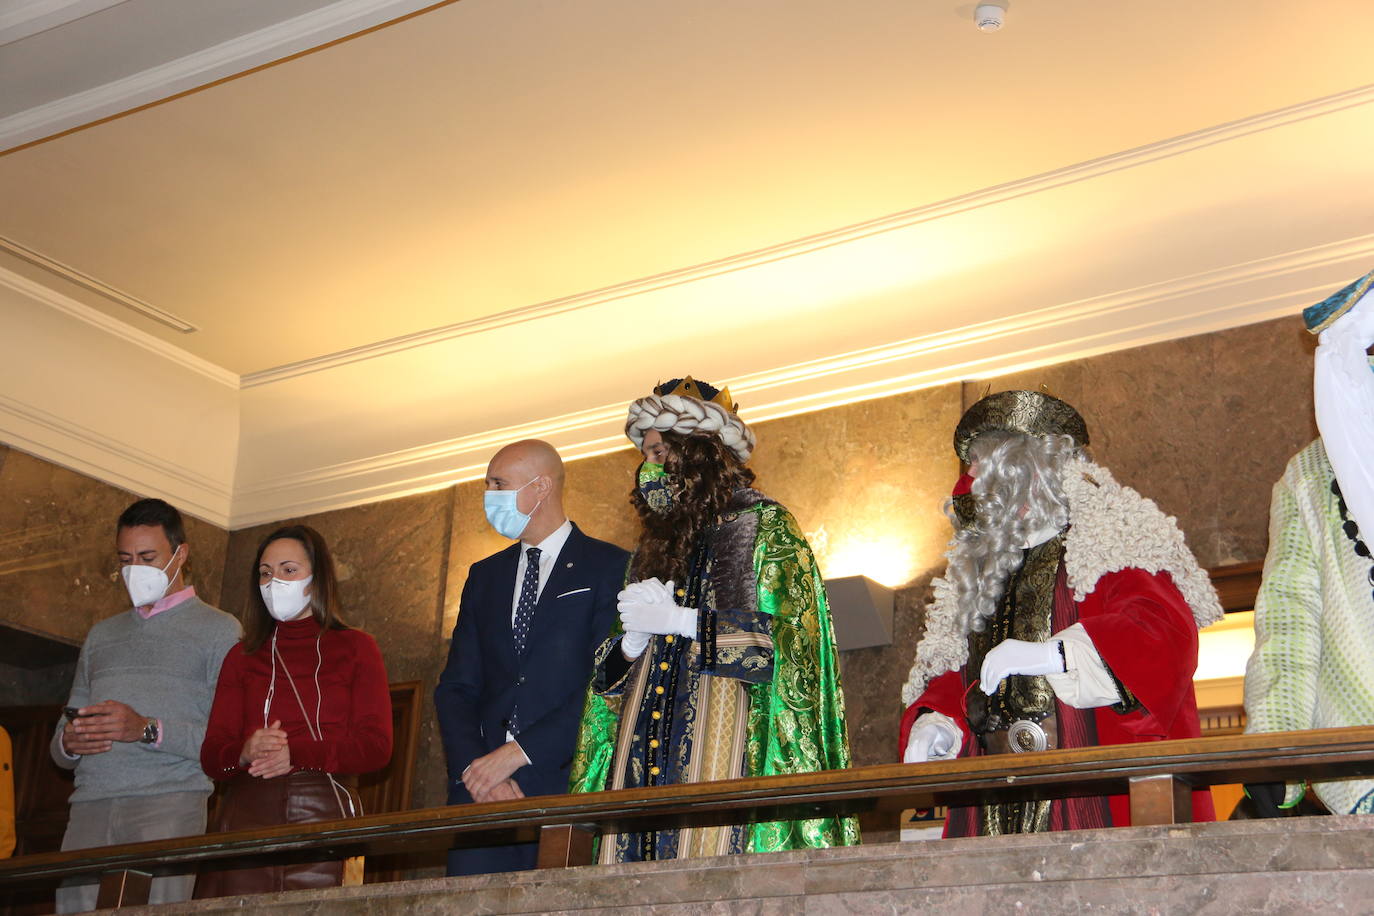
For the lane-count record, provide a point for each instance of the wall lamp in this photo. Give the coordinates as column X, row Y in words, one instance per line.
column 862, row 612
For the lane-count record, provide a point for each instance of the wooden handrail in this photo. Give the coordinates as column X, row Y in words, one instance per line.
column 1157, row 776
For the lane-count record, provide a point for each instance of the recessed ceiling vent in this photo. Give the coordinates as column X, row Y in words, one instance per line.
column 86, row 281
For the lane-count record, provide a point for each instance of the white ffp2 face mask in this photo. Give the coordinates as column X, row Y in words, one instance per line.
column 285, row 598
column 146, row 584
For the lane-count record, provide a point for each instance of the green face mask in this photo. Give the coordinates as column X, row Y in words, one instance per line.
column 654, row 486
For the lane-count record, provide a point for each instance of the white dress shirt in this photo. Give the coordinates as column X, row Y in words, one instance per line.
column 549, row 549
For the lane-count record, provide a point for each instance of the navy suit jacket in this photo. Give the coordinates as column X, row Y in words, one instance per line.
column 484, row 680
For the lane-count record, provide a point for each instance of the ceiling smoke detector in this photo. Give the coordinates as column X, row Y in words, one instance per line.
column 989, row 17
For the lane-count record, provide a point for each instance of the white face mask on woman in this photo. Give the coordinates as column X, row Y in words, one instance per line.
column 285, row 598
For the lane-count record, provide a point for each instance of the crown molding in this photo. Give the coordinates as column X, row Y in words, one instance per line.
column 1127, row 318
column 44, row 295
column 985, row 197
column 1246, row 293
column 976, row 200
column 116, row 462
column 97, row 286
column 405, row 472
column 229, row 58
column 24, row 19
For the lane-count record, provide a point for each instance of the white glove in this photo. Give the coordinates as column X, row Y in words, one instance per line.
column 646, row 590
column 650, row 591
column 1016, row 656
column 657, row 612
column 633, row 644
column 933, row 737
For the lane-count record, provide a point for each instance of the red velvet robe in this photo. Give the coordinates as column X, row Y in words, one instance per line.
column 1145, row 633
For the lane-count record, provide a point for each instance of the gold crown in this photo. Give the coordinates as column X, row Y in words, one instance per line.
column 690, row 387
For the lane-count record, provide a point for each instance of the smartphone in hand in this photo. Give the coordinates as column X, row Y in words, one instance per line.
column 71, row 713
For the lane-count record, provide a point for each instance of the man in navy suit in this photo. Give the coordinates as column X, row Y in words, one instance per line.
column 531, row 617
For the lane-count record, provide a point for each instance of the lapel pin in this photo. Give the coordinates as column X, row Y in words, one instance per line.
column 569, row 565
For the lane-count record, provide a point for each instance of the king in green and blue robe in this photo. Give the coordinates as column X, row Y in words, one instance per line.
column 756, row 694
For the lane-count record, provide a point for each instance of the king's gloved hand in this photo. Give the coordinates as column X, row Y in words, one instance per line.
column 933, row 737
column 1017, row 656
column 652, row 610
column 633, row 644
column 645, row 591
column 649, row 590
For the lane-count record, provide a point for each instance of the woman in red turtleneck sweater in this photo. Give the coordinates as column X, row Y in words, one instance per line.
column 301, row 708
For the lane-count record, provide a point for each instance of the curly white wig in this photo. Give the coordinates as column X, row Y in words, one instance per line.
column 1111, row 527
column 683, row 414
column 1017, row 493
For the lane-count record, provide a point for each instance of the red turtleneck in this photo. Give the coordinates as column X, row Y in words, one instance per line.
column 353, row 699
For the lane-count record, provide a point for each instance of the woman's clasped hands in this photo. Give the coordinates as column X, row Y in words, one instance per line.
column 266, row 752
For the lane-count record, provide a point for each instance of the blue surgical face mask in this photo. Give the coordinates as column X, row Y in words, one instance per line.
column 503, row 514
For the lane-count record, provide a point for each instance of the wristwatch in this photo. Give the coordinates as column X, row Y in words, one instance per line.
column 151, row 733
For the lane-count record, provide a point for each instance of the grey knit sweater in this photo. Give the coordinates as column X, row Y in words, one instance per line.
column 165, row 667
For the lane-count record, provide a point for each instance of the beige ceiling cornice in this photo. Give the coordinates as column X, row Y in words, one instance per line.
column 240, row 56
column 1213, row 300
column 965, row 203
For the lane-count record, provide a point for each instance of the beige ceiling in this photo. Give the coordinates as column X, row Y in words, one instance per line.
column 490, row 155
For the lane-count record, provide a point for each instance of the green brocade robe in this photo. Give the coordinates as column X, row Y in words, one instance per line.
column 757, row 694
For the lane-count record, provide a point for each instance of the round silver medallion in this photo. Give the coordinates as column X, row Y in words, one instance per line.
column 1024, row 735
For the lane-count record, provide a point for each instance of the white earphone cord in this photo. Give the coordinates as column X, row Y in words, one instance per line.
column 315, row 731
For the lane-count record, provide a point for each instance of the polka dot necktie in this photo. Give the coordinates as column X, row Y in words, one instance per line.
column 524, row 613
column 529, row 593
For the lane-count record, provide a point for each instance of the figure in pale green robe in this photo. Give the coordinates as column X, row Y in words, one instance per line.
column 1313, row 664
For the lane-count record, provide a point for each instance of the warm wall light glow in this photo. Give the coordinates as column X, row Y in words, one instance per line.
column 890, row 563
column 1225, row 647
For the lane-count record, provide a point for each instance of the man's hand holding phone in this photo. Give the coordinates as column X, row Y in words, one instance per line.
column 94, row 729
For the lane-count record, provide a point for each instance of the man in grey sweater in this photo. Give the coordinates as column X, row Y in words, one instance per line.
column 142, row 693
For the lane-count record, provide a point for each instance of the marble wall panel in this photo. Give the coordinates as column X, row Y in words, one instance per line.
column 391, row 564
column 58, row 573
column 1263, row 417
column 866, row 481
column 597, row 496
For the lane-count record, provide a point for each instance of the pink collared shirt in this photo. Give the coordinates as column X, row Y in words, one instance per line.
column 167, row 602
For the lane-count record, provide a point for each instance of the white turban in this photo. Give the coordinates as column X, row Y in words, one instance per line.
column 678, row 413
column 1344, row 388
